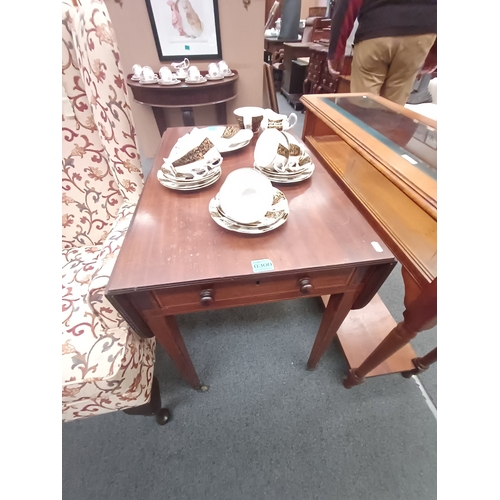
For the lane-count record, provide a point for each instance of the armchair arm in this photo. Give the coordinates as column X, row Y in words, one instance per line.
column 106, row 259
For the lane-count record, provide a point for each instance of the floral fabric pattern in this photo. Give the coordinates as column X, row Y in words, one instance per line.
column 106, row 366
column 101, row 165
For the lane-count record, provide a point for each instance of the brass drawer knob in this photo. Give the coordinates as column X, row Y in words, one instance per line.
column 207, row 297
column 305, row 285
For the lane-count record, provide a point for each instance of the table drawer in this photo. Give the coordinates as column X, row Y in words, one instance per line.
column 329, row 84
column 251, row 290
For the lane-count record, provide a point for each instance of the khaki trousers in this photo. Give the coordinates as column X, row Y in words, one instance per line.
column 388, row 66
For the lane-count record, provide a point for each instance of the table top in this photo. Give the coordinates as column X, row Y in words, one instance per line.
column 173, row 240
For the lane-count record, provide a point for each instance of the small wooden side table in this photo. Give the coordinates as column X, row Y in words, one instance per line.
column 185, row 96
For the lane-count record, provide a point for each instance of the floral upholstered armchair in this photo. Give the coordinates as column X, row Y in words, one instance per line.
column 105, row 365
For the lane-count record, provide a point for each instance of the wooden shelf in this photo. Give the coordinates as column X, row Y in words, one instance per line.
column 363, row 330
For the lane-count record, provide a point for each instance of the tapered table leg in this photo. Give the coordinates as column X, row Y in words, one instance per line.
column 161, row 123
column 336, row 311
column 418, row 315
column 422, row 364
column 167, row 333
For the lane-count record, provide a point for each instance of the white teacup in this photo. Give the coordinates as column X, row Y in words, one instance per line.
column 214, row 70
column 195, row 155
column 249, row 117
column 165, row 74
column 272, row 150
column 194, row 74
column 297, row 152
column 137, row 70
column 280, row 122
column 246, row 195
column 148, row 74
column 224, row 68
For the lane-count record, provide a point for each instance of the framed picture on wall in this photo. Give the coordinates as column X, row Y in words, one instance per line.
column 185, row 28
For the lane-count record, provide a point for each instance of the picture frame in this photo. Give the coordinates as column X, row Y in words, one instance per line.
column 185, row 28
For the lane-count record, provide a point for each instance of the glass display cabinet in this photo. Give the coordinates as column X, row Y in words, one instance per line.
column 384, row 156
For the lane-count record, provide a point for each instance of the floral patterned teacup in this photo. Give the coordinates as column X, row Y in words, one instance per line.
column 165, row 74
column 214, row 70
column 148, row 75
column 137, row 70
column 224, row 68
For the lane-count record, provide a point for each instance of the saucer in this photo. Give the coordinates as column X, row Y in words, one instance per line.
column 194, row 82
column 229, row 138
column 179, row 76
column 148, row 82
column 173, row 82
column 189, row 185
column 274, row 218
column 229, row 74
column 135, row 78
column 290, row 176
column 221, row 77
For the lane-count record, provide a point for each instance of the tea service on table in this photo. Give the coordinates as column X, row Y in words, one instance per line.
column 167, row 77
column 193, row 163
column 194, row 76
column 282, row 158
column 248, row 203
column 137, row 72
column 148, row 76
column 214, row 72
column 249, row 117
column 181, row 68
column 224, row 69
column 278, row 121
column 229, row 138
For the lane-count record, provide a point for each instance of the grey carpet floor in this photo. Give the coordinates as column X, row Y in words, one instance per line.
column 267, row 427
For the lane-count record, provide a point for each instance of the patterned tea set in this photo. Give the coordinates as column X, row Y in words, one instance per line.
column 247, row 201
column 183, row 71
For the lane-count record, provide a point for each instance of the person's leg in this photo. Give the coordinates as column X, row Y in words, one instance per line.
column 370, row 63
column 409, row 56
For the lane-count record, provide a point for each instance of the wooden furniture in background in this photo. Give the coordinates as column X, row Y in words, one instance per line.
column 175, row 259
column 293, row 80
column 317, row 11
column 321, row 30
column 319, row 80
column 384, row 158
column 270, row 88
column 185, row 96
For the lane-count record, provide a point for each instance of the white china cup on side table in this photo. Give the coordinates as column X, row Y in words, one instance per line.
column 224, row 69
column 165, row 74
column 214, row 72
column 137, row 70
column 194, row 75
column 280, row 122
column 249, row 117
column 148, row 75
column 272, row 150
column 246, row 195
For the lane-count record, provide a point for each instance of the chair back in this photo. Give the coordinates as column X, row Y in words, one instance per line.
column 101, row 166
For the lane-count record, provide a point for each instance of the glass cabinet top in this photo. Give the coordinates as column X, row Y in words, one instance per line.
column 412, row 139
